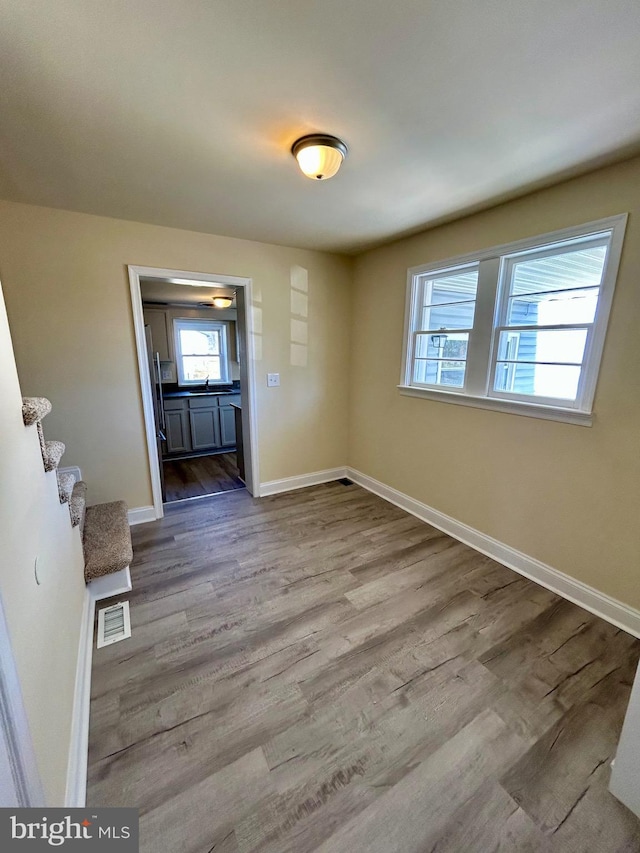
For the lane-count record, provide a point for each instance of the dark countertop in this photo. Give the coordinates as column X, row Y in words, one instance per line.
column 171, row 395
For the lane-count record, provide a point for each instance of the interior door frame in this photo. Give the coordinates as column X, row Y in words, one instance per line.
column 247, row 370
column 20, row 783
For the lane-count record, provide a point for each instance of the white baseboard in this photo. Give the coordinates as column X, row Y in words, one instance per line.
column 288, row 484
column 591, row 599
column 117, row 583
column 76, row 792
column 141, row 514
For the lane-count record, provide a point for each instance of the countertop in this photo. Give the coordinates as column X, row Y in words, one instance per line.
column 171, row 395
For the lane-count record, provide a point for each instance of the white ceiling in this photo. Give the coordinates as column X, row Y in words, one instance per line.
column 164, row 291
column 183, row 113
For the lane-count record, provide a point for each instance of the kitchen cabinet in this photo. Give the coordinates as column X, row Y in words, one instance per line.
column 157, row 319
column 177, row 431
column 227, row 426
column 228, row 419
column 205, row 422
column 205, row 428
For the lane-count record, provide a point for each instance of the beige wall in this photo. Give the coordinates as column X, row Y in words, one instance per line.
column 44, row 620
column 565, row 494
column 69, row 308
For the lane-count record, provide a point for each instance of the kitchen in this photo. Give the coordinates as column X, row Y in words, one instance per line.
column 194, row 367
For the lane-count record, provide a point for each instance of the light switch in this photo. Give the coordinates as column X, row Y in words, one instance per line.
column 273, row 380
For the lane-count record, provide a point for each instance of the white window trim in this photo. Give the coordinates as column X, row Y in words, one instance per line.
column 224, row 350
column 490, row 275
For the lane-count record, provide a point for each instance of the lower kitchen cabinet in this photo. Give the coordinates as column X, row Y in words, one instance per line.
column 200, row 423
column 205, row 428
column 177, row 431
column 227, row 425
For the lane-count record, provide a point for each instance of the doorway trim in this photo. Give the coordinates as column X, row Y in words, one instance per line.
column 248, row 393
column 20, row 783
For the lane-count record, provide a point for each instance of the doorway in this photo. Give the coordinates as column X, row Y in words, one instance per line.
column 193, row 337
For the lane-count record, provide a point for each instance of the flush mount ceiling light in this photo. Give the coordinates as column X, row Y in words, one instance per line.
column 219, row 302
column 222, row 301
column 319, row 156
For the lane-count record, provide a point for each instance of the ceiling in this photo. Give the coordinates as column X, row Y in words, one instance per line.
column 163, row 291
column 183, row 114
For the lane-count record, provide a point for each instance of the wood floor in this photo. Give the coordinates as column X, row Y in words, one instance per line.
column 319, row 671
column 200, row 475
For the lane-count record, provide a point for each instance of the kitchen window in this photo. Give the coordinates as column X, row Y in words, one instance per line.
column 201, row 352
column 518, row 328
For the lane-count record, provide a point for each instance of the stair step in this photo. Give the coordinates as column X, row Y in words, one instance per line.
column 53, row 451
column 34, row 409
column 66, row 482
column 77, row 504
column 107, row 540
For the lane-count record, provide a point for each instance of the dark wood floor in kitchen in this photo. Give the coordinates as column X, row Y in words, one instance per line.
column 321, row 671
column 200, row 475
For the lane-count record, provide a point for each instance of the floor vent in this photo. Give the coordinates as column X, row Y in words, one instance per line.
column 345, row 481
column 114, row 624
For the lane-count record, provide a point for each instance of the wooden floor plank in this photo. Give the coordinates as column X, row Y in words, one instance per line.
column 194, row 476
column 320, row 671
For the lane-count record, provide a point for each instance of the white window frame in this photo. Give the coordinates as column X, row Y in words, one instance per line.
column 491, row 301
column 208, row 325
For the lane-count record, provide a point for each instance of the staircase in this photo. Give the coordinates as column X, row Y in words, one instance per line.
column 104, row 528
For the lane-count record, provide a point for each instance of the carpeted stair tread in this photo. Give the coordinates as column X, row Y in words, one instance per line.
column 77, row 504
column 66, row 483
column 107, row 540
column 53, row 452
column 34, row 409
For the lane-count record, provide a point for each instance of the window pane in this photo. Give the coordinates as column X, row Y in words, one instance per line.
column 553, row 345
column 453, row 287
column 575, row 269
column 449, row 373
column 542, row 309
column 448, row 301
column 459, row 316
column 199, row 342
column 435, row 345
column 538, row 380
column 198, row 368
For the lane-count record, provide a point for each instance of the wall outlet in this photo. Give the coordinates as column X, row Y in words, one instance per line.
column 273, row 380
column 166, row 374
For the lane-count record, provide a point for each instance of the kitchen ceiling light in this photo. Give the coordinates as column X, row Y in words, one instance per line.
column 222, row 301
column 319, row 156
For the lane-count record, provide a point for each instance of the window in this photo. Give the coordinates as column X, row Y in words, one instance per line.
column 518, row 327
column 201, row 352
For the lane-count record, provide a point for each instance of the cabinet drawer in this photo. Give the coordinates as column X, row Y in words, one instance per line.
column 174, row 405
column 203, row 402
column 229, row 399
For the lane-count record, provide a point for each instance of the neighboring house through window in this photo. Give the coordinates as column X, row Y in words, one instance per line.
column 201, row 352
column 518, row 327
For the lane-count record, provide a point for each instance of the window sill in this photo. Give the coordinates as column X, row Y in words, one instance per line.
column 511, row 407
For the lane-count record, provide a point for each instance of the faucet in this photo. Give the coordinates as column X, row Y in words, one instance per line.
column 206, row 384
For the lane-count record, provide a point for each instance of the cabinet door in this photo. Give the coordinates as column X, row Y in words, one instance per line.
column 178, row 439
column 205, row 428
column 227, row 425
column 157, row 319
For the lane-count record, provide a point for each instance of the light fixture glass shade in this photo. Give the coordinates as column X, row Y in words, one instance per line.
column 222, row 301
column 319, row 156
